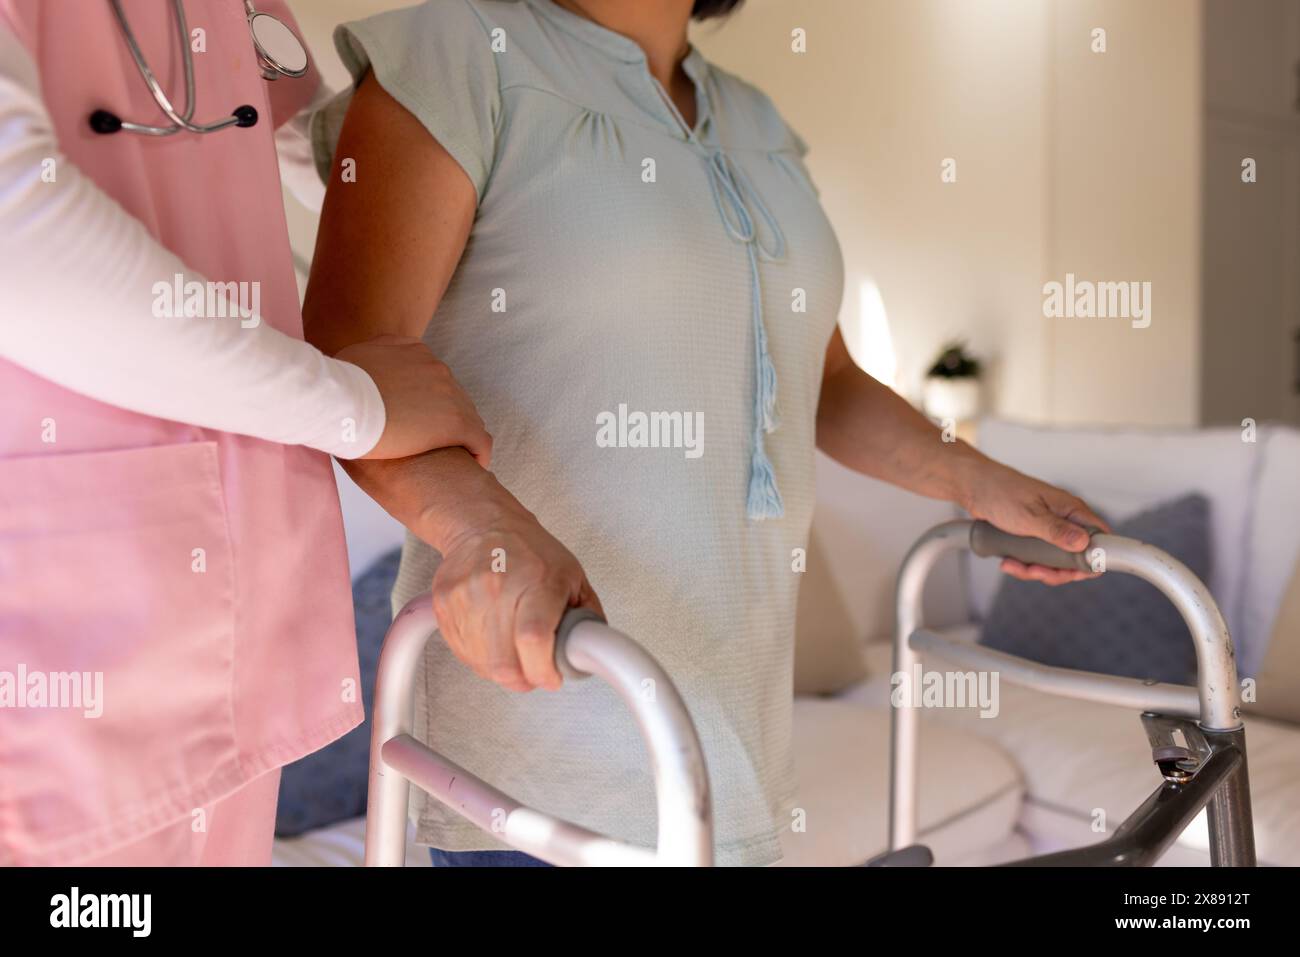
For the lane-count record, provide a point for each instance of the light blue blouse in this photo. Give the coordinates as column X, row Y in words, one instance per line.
column 621, row 265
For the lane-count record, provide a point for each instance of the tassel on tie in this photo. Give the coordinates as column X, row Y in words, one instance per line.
column 765, row 400
column 764, row 499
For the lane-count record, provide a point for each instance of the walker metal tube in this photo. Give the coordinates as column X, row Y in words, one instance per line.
column 1149, row 831
column 1180, row 700
column 583, row 646
column 905, row 722
column 1217, row 693
column 532, row 832
column 1229, row 816
column 1216, row 663
column 394, row 715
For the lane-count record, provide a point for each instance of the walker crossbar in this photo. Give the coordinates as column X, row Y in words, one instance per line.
column 584, row 645
column 1212, row 773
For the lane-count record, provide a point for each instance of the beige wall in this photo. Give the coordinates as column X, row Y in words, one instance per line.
column 1125, row 160
column 317, row 18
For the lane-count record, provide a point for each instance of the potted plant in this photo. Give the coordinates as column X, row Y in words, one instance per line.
column 952, row 386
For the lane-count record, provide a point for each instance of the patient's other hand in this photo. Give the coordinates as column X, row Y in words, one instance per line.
column 425, row 408
column 500, row 593
column 1021, row 505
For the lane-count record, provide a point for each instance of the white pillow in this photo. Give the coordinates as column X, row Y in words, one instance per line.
column 1274, row 543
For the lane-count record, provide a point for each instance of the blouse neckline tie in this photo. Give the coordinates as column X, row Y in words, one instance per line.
column 738, row 203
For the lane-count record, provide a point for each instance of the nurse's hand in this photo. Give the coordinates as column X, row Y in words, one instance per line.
column 500, row 593
column 424, row 406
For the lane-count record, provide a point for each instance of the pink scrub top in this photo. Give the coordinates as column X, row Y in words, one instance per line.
column 201, row 575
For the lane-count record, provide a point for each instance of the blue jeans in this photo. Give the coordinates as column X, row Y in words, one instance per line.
column 441, row 858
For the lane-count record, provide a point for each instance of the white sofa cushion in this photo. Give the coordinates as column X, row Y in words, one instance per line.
column 1122, row 471
column 1274, row 542
column 842, row 755
column 1077, row 757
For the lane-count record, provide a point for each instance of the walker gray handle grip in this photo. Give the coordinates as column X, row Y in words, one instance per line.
column 990, row 542
column 572, row 618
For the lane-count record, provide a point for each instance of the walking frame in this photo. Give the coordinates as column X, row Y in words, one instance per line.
column 584, row 646
column 1196, row 735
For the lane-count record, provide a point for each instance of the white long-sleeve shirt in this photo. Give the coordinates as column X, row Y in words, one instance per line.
column 76, row 272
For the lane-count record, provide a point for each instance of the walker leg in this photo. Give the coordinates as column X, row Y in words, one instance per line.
column 1231, row 822
column 388, row 797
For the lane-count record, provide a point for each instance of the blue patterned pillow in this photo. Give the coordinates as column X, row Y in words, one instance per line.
column 1116, row 624
column 329, row 785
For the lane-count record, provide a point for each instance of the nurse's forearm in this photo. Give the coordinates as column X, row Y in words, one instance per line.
column 871, row 429
column 84, row 286
column 80, row 312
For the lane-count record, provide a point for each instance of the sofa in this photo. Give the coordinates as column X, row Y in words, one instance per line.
column 1047, row 773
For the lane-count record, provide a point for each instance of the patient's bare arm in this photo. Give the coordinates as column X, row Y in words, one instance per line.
column 388, row 245
column 870, row 428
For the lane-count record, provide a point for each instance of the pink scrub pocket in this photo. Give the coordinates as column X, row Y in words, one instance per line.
column 117, row 623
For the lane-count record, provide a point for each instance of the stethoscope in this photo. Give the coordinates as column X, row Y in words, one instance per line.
column 279, row 53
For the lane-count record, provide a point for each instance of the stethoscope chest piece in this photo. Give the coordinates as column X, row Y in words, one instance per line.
column 278, row 47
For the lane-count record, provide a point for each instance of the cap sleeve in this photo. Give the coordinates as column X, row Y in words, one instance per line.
column 800, row 146
column 436, row 60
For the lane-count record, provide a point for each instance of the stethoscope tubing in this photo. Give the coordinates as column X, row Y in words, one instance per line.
column 180, row 121
column 104, row 121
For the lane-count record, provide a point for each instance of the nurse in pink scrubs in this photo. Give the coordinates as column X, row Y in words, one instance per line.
column 175, row 614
